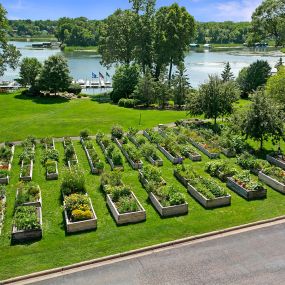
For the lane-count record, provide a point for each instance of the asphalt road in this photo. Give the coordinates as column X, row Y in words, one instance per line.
column 253, row 257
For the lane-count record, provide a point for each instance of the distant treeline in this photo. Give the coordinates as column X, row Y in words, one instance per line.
column 84, row 32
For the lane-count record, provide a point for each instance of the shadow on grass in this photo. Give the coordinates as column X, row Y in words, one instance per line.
column 45, row 100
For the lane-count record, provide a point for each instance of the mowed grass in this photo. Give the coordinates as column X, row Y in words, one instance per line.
column 58, row 249
column 22, row 116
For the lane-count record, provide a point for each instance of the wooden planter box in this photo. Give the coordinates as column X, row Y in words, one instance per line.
column 30, row 176
column 3, row 202
column 37, row 203
column 110, row 161
column 52, row 176
column 28, row 235
column 208, row 203
column 73, row 227
column 126, row 218
column 184, row 181
column 194, row 157
column 144, row 181
column 205, row 151
column 228, row 153
column 168, row 211
column 158, row 162
column 52, row 146
column 134, row 165
column 134, row 141
column 278, row 162
column 147, row 136
column 94, row 170
column 72, row 162
column 6, row 180
column 276, row 185
column 249, row 195
column 174, row 160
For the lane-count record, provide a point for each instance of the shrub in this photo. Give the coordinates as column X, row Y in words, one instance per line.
column 128, row 103
column 117, row 132
column 74, row 88
column 73, row 182
column 50, row 166
column 79, row 215
column 5, row 153
column 50, row 154
column 84, row 134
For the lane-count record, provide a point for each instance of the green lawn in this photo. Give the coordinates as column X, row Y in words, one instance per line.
column 22, row 117
column 41, row 117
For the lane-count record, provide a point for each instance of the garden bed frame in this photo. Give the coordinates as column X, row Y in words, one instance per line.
column 273, row 160
column 3, row 202
column 204, row 150
column 228, row 153
column 37, row 203
column 30, row 176
column 134, row 165
column 169, row 156
column 70, row 163
column 6, row 180
column 249, row 195
column 80, row 226
column 174, row 210
column 207, row 203
column 28, row 235
column 273, row 183
column 110, row 161
column 52, row 176
column 126, row 218
column 94, row 170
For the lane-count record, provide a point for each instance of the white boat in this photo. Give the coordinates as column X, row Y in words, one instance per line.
column 94, row 84
column 207, row 45
column 102, row 83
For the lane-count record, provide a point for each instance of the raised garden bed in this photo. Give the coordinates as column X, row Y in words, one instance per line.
column 110, row 152
column 228, row 152
column 204, row 150
column 28, row 195
column 245, row 193
column 273, row 183
column 70, row 155
column 169, row 156
column 93, row 159
column 217, row 200
column 164, row 211
column 30, row 232
column 277, row 160
column 126, row 218
column 6, row 165
column 2, row 209
column 52, row 175
column 82, row 225
column 135, row 164
column 26, row 173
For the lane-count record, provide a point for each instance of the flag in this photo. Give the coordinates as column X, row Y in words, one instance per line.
column 101, row 75
column 107, row 74
column 94, row 75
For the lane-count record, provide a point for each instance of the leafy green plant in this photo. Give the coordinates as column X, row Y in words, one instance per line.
column 220, row 169
column 5, row 153
column 26, row 218
column 4, row 173
column 51, row 166
column 117, row 132
column 244, row 180
column 152, row 173
column 112, row 178
column 275, row 173
column 84, row 134
column 73, row 182
column 49, row 154
column 27, row 192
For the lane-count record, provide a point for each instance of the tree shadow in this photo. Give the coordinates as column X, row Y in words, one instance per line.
column 44, row 100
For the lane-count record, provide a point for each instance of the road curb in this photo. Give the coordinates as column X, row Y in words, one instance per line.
column 139, row 251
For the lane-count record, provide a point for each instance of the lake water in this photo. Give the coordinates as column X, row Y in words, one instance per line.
column 199, row 64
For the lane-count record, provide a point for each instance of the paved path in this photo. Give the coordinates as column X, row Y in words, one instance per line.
column 252, row 257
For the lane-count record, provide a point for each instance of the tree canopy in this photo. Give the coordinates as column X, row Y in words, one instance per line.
column 268, row 20
column 9, row 55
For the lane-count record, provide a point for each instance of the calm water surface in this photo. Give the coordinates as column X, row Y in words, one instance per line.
column 198, row 64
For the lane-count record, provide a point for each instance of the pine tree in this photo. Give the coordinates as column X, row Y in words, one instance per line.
column 227, row 74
